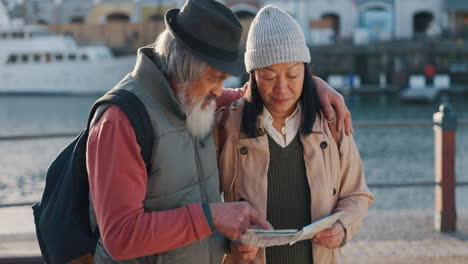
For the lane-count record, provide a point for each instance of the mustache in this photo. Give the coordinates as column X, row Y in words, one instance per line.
column 210, row 98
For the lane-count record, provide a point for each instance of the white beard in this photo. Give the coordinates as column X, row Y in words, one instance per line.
column 199, row 121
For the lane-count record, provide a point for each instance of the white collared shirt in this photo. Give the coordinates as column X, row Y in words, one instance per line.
column 292, row 124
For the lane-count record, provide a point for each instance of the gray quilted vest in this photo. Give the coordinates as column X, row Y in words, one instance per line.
column 184, row 170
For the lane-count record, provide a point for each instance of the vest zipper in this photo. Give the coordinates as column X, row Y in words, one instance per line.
column 203, row 193
column 200, row 173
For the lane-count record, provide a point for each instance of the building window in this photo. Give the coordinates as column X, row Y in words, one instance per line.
column 18, row 35
column 71, row 57
column 37, row 58
column 118, row 17
column 244, row 14
column 334, row 21
column 378, row 22
column 42, row 22
column 84, row 57
column 25, row 58
column 422, row 21
column 48, row 57
column 58, row 57
column 12, row 59
column 77, row 20
column 156, row 17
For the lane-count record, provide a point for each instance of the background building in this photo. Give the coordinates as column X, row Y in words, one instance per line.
column 328, row 21
column 457, row 11
column 323, row 21
column 375, row 39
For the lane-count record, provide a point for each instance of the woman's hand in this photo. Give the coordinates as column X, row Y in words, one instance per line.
column 330, row 238
column 242, row 252
column 332, row 102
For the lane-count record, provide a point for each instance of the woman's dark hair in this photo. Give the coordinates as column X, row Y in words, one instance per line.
column 254, row 107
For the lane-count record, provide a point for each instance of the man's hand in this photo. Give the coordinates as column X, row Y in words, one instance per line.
column 232, row 219
column 332, row 102
column 330, row 238
column 242, row 252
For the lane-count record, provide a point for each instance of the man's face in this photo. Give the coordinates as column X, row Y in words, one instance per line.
column 208, row 86
column 198, row 99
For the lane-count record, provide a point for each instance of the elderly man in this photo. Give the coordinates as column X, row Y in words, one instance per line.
column 174, row 214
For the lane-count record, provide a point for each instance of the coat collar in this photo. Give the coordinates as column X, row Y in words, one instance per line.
column 148, row 74
column 316, row 128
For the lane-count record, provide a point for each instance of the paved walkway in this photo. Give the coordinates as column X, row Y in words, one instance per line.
column 407, row 237
column 17, row 233
column 396, row 237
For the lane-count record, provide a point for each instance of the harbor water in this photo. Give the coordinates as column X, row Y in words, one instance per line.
column 390, row 154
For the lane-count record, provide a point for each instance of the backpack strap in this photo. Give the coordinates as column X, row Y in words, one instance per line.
column 138, row 116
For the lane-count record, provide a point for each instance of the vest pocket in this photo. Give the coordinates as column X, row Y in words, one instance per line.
column 177, row 199
column 209, row 249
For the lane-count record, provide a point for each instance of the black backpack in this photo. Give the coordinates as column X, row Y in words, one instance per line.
column 62, row 218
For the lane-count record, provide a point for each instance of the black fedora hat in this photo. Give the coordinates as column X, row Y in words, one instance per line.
column 211, row 31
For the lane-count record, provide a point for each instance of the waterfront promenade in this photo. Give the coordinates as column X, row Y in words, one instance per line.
column 395, row 139
column 396, row 237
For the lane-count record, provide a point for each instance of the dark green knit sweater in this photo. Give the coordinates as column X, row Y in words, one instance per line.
column 288, row 204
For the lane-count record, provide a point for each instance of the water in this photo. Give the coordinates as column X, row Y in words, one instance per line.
column 24, row 163
column 389, row 154
column 405, row 154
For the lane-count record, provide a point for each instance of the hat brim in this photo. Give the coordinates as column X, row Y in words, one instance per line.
column 235, row 67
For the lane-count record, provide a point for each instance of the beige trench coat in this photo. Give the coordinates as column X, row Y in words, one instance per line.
column 335, row 176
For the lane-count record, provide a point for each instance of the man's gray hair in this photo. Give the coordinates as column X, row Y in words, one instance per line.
column 178, row 63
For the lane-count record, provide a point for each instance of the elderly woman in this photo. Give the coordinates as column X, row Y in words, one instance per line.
column 279, row 153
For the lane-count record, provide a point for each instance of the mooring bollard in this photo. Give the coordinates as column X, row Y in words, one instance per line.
column 445, row 124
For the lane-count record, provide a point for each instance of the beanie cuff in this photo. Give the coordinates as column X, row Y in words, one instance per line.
column 266, row 56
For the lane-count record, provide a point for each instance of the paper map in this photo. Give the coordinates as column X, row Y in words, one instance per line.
column 268, row 238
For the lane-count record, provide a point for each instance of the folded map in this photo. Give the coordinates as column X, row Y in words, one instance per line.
column 268, row 238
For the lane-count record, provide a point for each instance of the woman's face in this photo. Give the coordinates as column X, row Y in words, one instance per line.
column 280, row 86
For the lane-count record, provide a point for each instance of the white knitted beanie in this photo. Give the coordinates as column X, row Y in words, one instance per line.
column 274, row 37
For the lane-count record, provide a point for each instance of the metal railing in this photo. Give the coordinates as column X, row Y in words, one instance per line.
column 357, row 124
column 21, row 260
column 389, row 185
column 38, row 136
column 399, row 123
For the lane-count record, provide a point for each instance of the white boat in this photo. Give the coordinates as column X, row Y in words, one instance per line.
column 34, row 61
column 420, row 91
column 429, row 94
